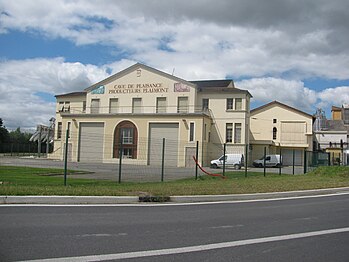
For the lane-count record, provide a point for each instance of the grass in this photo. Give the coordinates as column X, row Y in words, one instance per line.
column 43, row 181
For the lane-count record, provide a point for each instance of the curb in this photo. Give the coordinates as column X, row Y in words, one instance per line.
column 174, row 199
column 273, row 195
column 68, row 199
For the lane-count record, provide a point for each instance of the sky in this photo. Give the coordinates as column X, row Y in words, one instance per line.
column 295, row 52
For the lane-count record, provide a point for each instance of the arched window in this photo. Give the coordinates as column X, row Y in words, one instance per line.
column 127, row 135
column 274, row 133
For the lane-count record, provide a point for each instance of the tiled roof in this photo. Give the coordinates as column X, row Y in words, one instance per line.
column 335, row 125
column 213, row 83
column 72, row 94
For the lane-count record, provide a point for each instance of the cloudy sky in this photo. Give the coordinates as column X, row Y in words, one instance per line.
column 292, row 51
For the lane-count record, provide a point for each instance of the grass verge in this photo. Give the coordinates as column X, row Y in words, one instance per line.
column 43, row 181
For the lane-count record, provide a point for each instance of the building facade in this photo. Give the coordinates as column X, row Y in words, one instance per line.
column 278, row 126
column 133, row 111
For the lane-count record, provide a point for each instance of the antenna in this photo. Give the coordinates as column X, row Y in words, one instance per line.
column 173, row 71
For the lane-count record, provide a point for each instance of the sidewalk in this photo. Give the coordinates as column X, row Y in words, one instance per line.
column 93, row 200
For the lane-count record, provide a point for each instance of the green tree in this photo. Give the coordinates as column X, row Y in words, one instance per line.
column 4, row 134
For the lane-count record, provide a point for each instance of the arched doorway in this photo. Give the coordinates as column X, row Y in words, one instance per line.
column 125, row 133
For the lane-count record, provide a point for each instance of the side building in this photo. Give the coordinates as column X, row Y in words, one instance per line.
column 277, row 126
column 132, row 111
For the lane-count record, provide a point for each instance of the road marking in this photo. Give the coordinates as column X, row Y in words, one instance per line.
column 228, row 226
column 175, row 204
column 180, row 250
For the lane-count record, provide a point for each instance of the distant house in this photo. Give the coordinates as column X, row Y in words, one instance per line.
column 278, row 126
column 332, row 135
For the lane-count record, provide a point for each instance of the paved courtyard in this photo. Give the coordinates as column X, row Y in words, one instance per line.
column 135, row 173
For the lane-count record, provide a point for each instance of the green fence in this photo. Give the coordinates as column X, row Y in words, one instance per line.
column 313, row 159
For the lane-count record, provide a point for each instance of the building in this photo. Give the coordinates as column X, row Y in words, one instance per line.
column 131, row 112
column 332, row 135
column 278, row 126
column 336, row 113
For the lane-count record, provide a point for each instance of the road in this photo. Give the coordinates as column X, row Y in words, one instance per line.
column 279, row 230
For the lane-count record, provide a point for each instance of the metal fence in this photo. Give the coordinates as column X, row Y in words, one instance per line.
column 24, row 149
column 161, row 159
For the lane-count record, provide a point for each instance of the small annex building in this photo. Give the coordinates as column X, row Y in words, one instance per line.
column 278, row 126
column 140, row 106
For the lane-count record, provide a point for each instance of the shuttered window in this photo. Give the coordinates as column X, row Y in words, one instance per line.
column 95, row 106
column 182, row 105
column 113, row 105
column 161, row 105
column 137, row 105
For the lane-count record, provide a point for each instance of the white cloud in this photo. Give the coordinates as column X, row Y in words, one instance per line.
column 21, row 81
column 201, row 38
column 290, row 92
column 334, row 96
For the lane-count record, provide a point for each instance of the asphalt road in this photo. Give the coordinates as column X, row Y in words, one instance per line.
column 279, row 230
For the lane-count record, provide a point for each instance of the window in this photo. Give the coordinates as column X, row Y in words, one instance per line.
column 83, row 106
column 274, row 133
column 191, row 132
column 230, row 103
column 136, row 105
column 113, row 105
column 125, row 133
column 346, row 116
column 59, row 130
column 238, row 103
column 66, row 106
column 95, row 106
column 237, row 133
column 229, row 133
column 205, row 103
column 61, row 107
column 182, row 105
column 161, row 105
column 69, row 123
column 274, row 121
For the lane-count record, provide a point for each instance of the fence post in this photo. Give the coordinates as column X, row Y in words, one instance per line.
column 196, row 156
column 329, row 159
column 224, row 150
column 293, row 159
column 120, row 160
column 305, row 161
column 163, row 160
column 47, row 142
column 246, row 159
column 265, row 154
column 65, row 155
column 39, row 142
column 280, row 164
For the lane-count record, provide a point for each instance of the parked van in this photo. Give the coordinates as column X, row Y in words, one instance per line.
column 270, row 161
column 231, row 160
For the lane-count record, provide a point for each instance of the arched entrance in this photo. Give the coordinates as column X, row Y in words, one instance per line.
column 125, row 133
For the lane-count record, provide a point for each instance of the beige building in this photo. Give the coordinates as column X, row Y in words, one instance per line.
column 278, row 126
column 139, row 107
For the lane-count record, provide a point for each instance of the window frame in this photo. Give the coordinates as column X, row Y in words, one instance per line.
column 191, row 131
column 230, row 104
column 229, row 132
column 237, row 127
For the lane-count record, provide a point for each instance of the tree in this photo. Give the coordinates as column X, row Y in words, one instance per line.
column 4, row 134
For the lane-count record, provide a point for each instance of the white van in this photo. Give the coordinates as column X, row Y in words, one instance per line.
column 270, row 161
column 231, row 160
